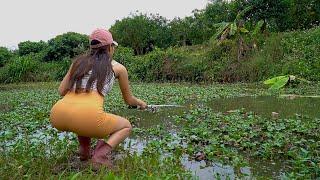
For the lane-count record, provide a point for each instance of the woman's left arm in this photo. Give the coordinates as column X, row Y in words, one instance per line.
column 64, row 83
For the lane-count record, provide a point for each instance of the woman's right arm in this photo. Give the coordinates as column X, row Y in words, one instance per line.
column 122, row 75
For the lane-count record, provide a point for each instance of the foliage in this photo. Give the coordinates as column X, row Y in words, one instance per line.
column 277, row 82
column 124, row 55
column 294, row 53
column 63, row 68
column 19, row 69
column 5, row 55
column 254, row 49
column 301, row 14
column 28, row 47
column 141, row 32
column 69, row 44
column 232, row 140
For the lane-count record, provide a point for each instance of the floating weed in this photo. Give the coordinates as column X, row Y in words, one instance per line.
column 228, row 144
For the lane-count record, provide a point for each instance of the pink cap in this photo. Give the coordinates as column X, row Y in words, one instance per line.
column 102, row 35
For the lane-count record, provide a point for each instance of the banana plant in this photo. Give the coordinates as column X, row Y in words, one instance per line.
column 229, row 29
column 258, row 28
column 234, row 29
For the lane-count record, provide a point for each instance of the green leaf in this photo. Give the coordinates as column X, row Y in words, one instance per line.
column 277, row 82
column 258, row 27
column 221, row 28
column 244, row 30
column 273, row 80
column 233, row 29
column 242, row 13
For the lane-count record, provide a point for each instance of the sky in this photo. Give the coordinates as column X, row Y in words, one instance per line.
column 36, row 20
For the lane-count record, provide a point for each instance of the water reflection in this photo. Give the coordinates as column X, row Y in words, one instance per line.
column 265, row 105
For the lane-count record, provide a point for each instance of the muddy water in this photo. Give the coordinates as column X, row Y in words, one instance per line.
column 209, row 170
column 152, row 117
column 265, row 105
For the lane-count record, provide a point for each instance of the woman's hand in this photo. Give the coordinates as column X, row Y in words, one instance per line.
column 142, row 105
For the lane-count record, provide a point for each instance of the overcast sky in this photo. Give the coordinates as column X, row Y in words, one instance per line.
column 36, row 20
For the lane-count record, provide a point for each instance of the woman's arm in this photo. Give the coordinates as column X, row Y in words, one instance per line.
column 122, row 74
column 64, row 83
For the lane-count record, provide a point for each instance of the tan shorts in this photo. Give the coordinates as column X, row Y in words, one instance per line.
column 83, row 114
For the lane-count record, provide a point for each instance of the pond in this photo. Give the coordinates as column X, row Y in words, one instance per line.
column 212, row 136
column 260, row 105
column 265, row 105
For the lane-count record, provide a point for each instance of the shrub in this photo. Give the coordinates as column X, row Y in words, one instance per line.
column 69, row 44
column 28, row 47
column 124, row 55
column 148, row 67
column 62, row 68
column 19, row 69
column 5, row 55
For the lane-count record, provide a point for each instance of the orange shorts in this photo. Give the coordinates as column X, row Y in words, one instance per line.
column 83, row 114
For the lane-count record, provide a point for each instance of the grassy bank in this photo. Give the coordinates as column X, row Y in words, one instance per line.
column 294, row 53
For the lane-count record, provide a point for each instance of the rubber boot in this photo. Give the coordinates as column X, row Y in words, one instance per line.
column 84, row 148
column 102, row 155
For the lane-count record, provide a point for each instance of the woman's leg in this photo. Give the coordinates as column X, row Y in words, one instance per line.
column 84, row 147
column 120, row 131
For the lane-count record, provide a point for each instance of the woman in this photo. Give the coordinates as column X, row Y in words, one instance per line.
column 89, row 79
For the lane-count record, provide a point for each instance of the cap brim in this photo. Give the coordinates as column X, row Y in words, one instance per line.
column 115, row 43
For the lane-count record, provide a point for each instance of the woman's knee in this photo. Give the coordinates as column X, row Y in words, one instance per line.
column 128, row 125
column 125, row 124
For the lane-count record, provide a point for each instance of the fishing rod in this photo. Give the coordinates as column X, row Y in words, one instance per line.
column 156, row 106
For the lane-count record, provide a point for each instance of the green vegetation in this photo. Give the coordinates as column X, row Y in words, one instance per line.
column 31, row 148
column 228, row 41
column 5, row 55
column 235, row 41
column 295, row 53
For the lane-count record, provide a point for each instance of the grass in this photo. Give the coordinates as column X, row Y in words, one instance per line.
column 31, row 149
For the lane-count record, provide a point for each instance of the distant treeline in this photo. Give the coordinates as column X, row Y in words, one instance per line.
column 232, row 41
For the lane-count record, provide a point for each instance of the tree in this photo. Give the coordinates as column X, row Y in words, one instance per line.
column 69, row 44
column 28, row 47
column 142, row 32
column 302, row 14
column 272, row 12
column 180, row 29
column 5, row 55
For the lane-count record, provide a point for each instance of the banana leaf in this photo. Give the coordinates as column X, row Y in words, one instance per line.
column 244, row 30
column 242, row 13
column 233, row 29
column 221, row 28
column 277, row 82
column 258, row 28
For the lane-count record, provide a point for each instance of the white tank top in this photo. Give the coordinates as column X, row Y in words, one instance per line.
column 107, row 85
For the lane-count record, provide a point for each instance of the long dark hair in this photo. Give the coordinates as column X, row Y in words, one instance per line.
column 99, row 61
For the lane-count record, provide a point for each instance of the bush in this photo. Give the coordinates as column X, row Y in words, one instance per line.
column 147, row 67
column 124, row 55
column 28, row 47
column 62, row 68
column 5, row 55
column 69, row 44
column 19, row 69
column 296, row 53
